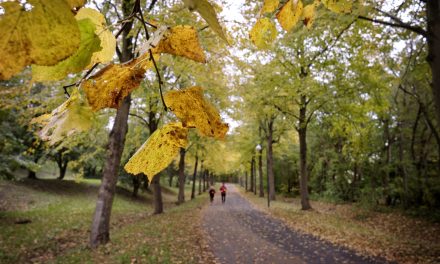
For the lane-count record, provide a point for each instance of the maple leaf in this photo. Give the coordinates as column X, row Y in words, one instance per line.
column 190, row 106
column 182, row 41
column 71, row 117
column 158, row 151
column 113, row 83
column 263, row 33
column 339, row 6
column 206, row 10
column 290, row 14
column 309, row 15
column 43, row 32
column 77, row 62
column 269, row 6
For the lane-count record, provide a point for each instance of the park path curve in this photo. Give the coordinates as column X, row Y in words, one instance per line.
column 236, row 232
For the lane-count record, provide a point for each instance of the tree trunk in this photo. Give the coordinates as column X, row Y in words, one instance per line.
column 170, row 180
column 136, row 185
column 181, row 194
column 255, row 176
column 200, row 178
column 302, row 133
column 260, row 171
column 101, row 220
column 251, row 187
column 32, row 175
column 62, row 162
column 433, row 38
column 100, row 230
column 157, row 194
column 385, row 179
column 193, row 191
column 270, row 174
column 245, row 180
column 204, row 181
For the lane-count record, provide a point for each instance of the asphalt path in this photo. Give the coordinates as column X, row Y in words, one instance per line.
column 236, row 232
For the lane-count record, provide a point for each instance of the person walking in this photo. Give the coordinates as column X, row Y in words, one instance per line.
column 223, row 192
column 211, row 193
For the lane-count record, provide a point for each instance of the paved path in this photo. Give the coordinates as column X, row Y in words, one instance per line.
column 238, row 233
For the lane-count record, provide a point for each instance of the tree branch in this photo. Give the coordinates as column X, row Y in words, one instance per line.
column 140, row 117
column 403, row 25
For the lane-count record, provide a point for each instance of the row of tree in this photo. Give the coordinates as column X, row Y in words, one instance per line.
column 344, row 111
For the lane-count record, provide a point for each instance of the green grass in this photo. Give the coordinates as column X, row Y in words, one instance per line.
column 61, row 212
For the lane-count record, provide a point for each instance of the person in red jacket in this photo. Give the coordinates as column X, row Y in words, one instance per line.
column 223, row 192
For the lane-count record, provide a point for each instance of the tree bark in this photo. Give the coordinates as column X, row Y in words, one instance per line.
column 181, row 194
column 100, row 230
column 260, row 170
column 245, row 180
column 136, row 185
column 385, row 179
column 251, row 187
column 270, row 160
column 302, row 133
column 62, row 162
column 200, row 178
column 433, row 38
column 204, row 181
column 157, row 194
column 193, row 191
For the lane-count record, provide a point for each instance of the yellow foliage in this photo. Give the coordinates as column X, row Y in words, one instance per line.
column 76, row 3
column 290, row 14
column 339, row 6
column 206, row 10
column 71, row 117
column 158, row 151
column 263, row 33
column 309, row 15
column 193, row 110
column 269, row 6
column 182, row 41
column 113, row 83
column 79, row 60
column 41, row 32
column 108, row 41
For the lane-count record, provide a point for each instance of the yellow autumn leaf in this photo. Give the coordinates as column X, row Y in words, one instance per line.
column 263, row 33
column 75, row 4
column 113, row 83
column 269, row 6
column 190, row 106
column 290, row 14
column 41, row 32
column 206, row 10
column 71, row 117
column 79, row 60
column 309, row 15
column 339, row 6
column 158, row 151
column 108, row 41
column 182, row 41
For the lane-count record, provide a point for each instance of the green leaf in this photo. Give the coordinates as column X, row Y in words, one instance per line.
column 39, row 32
column 90, row 43
column 206, row 10
column 71, row 117
column 108, row 41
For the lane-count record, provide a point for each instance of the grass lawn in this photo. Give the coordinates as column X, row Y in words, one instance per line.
column 49, row 221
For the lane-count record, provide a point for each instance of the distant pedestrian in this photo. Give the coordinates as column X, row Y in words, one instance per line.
column 211, row 193
column 223, row 190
